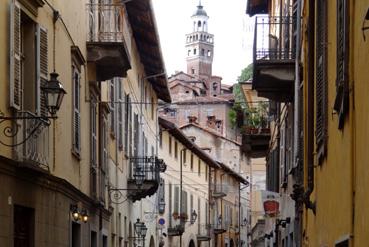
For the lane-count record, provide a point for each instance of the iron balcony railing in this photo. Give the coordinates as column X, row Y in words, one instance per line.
column 220, row 189
column 146, row 168
column 274, row 38
column 105, row 22
column 35, row 150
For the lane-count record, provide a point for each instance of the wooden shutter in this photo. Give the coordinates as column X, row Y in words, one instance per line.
column 176, row 200
column 76, row 112
column 321, row 92
column 341, row 104
column 126, row 124
column 184, row 203
column 42, row 68
column 170, row 204
column 112, row 105
column 16, row 90
column 120, row 115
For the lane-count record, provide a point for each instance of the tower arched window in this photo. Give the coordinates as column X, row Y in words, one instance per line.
column 215, row 86
column 199, row 24
column 204, row 26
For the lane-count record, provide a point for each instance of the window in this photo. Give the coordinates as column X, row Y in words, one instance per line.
column 184, row 156
column 120, row 115
column 103, row 156
column 176, row 149
column 135, row 147
column 202, row 52
column 191, row 161
column 184, row 203
column 194, row 51
column 93, row 143
column 152, row 108
column 209, row 53
column 199, row 167
column 193, row 71
column 28, row 62
column 160, row 138
column 170, row 145
column 170, row 203
column 206, row 172
column 127, row 124
column 321, row 89
column 112, row 106
column 341, row 104
column 76, row 111
column 176, row 200
column 188, row 52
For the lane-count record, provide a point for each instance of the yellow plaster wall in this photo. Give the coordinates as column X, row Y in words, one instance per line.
column 333, row 178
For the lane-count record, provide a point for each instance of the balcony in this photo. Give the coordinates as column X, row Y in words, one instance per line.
column 220, row 190
column 203, row 232
column 219, row 225
column 144, row 178
column 274, row 58
column 105, row 42
column 256, row 131
column 176, row 230
column 34, row 153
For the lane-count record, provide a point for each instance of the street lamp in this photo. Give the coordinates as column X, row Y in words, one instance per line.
column 193, row 217
column 54, row 93
column 140, row 230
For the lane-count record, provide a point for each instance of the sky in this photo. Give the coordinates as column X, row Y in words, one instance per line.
column 232, row 29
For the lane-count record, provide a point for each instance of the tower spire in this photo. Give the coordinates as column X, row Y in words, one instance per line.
column 200, row 3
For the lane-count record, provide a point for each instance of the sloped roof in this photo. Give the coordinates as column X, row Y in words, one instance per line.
column 142, row 20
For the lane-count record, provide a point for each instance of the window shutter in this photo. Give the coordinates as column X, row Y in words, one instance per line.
column 112, row 105
column 76, row 112
column 342, row 97
column 184, row 203
column 16, row 89
column 176, row 200
column 42, row 68
column 120, row 115
column 170, row 204
column 321, row 79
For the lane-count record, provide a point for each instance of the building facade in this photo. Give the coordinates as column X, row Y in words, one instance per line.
column 78, row 179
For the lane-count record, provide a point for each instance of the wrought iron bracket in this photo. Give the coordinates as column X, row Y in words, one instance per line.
column 10, row 126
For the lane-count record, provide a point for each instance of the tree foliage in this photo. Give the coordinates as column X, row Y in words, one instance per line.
column 246, row 73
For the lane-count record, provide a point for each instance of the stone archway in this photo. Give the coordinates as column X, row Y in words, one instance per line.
column 191, row 244
column 152, row 243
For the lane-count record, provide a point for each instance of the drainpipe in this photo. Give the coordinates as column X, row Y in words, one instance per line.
column 310, row 108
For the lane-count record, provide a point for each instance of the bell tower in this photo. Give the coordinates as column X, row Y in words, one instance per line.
column 199, row 45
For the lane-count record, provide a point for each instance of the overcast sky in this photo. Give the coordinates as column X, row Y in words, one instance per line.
column 232, row 29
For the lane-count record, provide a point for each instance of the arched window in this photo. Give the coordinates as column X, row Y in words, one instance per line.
column 199, row 24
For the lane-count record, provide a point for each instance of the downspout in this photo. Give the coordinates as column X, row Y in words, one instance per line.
column 310, row 108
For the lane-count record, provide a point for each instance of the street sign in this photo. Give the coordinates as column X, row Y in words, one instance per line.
column 161, row 221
